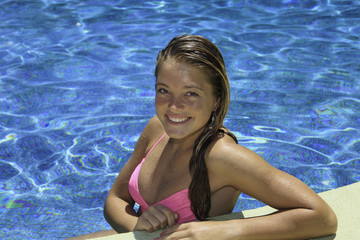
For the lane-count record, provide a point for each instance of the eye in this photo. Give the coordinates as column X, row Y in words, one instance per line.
column 162, row 91
column 192, row 94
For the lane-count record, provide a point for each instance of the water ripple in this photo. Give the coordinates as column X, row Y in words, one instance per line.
column 77, row 88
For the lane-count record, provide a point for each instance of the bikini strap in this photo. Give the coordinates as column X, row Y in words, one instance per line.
column 155, row 145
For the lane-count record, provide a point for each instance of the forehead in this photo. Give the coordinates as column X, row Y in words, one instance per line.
column 181, row 71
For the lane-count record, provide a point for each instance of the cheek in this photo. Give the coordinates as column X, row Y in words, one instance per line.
column 199, row 107
column 159, row 101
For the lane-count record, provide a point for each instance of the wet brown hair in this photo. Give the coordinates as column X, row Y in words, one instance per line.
column 202, row 53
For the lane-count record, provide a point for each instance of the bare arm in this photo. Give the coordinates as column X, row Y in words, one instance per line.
column 301, row 212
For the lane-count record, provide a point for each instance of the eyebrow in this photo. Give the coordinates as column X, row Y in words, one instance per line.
column 187, row 86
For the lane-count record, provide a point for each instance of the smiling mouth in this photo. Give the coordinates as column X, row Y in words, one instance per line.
column 179, row 120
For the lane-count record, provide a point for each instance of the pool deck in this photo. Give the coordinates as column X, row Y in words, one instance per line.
column 345, row 201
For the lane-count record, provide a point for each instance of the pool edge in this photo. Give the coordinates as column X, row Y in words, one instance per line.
column 342, row 200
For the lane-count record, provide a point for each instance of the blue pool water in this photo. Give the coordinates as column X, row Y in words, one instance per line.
column 77, row 87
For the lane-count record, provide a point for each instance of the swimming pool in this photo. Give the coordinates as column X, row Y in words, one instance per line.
column 76, row 89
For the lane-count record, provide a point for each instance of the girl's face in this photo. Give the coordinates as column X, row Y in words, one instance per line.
column 184, row 99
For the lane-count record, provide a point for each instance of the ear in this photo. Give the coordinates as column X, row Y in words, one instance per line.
column 216, row 104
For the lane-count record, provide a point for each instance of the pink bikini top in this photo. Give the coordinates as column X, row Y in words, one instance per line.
column 178, row 202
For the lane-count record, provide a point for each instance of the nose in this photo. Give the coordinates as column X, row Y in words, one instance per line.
column 175, row 103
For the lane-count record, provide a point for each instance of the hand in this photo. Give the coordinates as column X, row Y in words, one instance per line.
column 155, row 218
column 194, row 231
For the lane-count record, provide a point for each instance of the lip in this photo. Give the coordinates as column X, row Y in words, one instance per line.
column 177, row 120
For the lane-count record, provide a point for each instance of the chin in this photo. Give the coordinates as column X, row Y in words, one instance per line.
column 178, row 134
column 175, row 135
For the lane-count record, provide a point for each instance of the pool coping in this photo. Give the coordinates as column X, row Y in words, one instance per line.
column 345, row 201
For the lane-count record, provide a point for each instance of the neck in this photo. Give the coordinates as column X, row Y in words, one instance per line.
column 185, row 144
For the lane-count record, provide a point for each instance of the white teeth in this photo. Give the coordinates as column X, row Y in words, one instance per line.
column 178, row 119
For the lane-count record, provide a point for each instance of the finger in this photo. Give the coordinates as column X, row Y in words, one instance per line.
column 171, row 217
column 171, row 230
column 175, row 232
column 176, row 217
column 158, row 218
column 143, row 224
column 149, row 218
column 147, row 226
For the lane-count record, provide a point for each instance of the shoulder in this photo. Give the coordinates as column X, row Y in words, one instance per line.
column 149, row 136
column 152, row 132
column 154, row 129
column 225, row 150
column 229, row 162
